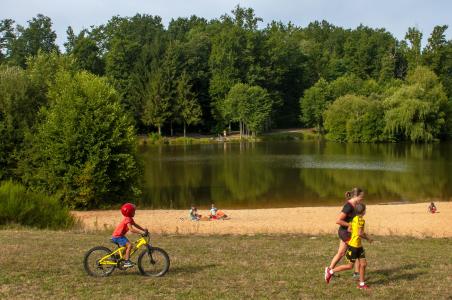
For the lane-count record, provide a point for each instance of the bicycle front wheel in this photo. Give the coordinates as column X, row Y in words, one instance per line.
column 92, row 265
column 153, row 262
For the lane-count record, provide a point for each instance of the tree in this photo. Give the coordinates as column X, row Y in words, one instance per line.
column 438, row 56
column 417, row 110
column 157, row 103
column 413, row 50
column 85, row 50
column 258, row 109
column 233, row 109
column 188, row 107
column 16, row 116
column 354, row 119
column 251, row 106
column 38, row 36
column 232, row 58
column 134, row 49
column 7, row 36
column 313, row 103
column 85, row 150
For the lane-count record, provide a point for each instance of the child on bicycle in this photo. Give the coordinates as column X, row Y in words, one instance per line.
column 128, row 211
column 355, row 250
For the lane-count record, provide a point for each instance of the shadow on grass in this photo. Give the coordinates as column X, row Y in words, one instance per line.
column 190, row 269
column 400, row 273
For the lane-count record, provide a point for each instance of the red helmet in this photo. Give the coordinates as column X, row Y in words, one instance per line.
column 128, row 210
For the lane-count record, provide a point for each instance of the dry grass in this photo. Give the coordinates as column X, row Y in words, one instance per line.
column 46, row 264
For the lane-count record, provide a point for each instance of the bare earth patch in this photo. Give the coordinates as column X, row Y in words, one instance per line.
column 400, row 220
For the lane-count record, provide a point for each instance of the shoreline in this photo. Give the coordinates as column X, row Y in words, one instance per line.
column 389, row 219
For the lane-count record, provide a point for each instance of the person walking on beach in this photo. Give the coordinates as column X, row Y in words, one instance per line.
column 347, row 214
column 355, row 250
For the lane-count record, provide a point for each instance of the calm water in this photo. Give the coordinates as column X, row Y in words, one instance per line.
column 297, row 173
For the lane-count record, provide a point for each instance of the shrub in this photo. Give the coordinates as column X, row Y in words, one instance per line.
column 85, row 149
column 19, row 206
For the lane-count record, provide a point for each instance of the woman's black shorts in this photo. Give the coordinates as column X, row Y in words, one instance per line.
column 353, row 253
column 344, row 235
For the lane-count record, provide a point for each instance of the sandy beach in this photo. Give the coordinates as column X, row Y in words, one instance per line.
column 396, row 219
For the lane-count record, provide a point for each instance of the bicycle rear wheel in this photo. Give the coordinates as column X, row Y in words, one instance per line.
column 153, row 262
column 91, row 262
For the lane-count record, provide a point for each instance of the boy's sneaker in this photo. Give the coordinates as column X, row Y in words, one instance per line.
column 363, row 287
column 355, row 275
column 128, row 263
column 328, row 275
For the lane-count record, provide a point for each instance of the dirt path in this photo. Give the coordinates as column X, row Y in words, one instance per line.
column 401, row 220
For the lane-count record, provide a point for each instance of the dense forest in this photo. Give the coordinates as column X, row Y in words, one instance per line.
column 69, row 117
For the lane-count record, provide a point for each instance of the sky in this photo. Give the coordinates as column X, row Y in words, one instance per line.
column 394, row 15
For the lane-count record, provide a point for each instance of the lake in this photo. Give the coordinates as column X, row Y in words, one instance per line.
column 293, row 173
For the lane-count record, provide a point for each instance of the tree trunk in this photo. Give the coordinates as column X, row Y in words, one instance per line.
column 160, row 130
column 240, row 124
column 184, row 129
column 171, row 124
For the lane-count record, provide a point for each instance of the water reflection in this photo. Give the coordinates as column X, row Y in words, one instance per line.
column 285, row 174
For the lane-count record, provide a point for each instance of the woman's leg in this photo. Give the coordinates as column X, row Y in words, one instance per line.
column 340, row 253
column 362, row 269
column 348, row 266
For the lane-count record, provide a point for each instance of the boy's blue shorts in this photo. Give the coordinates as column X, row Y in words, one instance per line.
column 121, row 240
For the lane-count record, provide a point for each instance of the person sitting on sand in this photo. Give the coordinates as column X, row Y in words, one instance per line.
column 432, row 208
column 194, row 216
column 216, row 214
column 213, row 212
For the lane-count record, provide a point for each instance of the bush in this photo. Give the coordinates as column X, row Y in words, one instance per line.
column 156, row 139
column 85, row 149
column 19, row 206
column 352, row 118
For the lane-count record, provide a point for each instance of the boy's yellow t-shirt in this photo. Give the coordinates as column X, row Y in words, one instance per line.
column 356, row 224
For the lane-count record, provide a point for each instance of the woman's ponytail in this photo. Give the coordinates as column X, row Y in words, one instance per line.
column 355, row 192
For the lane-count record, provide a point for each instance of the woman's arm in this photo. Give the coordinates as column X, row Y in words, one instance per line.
column 341, row 220
column 363, row 235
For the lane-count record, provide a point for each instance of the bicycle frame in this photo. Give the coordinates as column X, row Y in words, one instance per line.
column 121, row 252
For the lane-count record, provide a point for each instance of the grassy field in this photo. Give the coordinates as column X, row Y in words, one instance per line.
column 47, row 264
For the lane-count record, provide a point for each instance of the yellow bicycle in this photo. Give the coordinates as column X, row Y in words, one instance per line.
column 100, row 261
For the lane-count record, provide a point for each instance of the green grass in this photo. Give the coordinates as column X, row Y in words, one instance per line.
column 48, row 264
column 290, row 136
